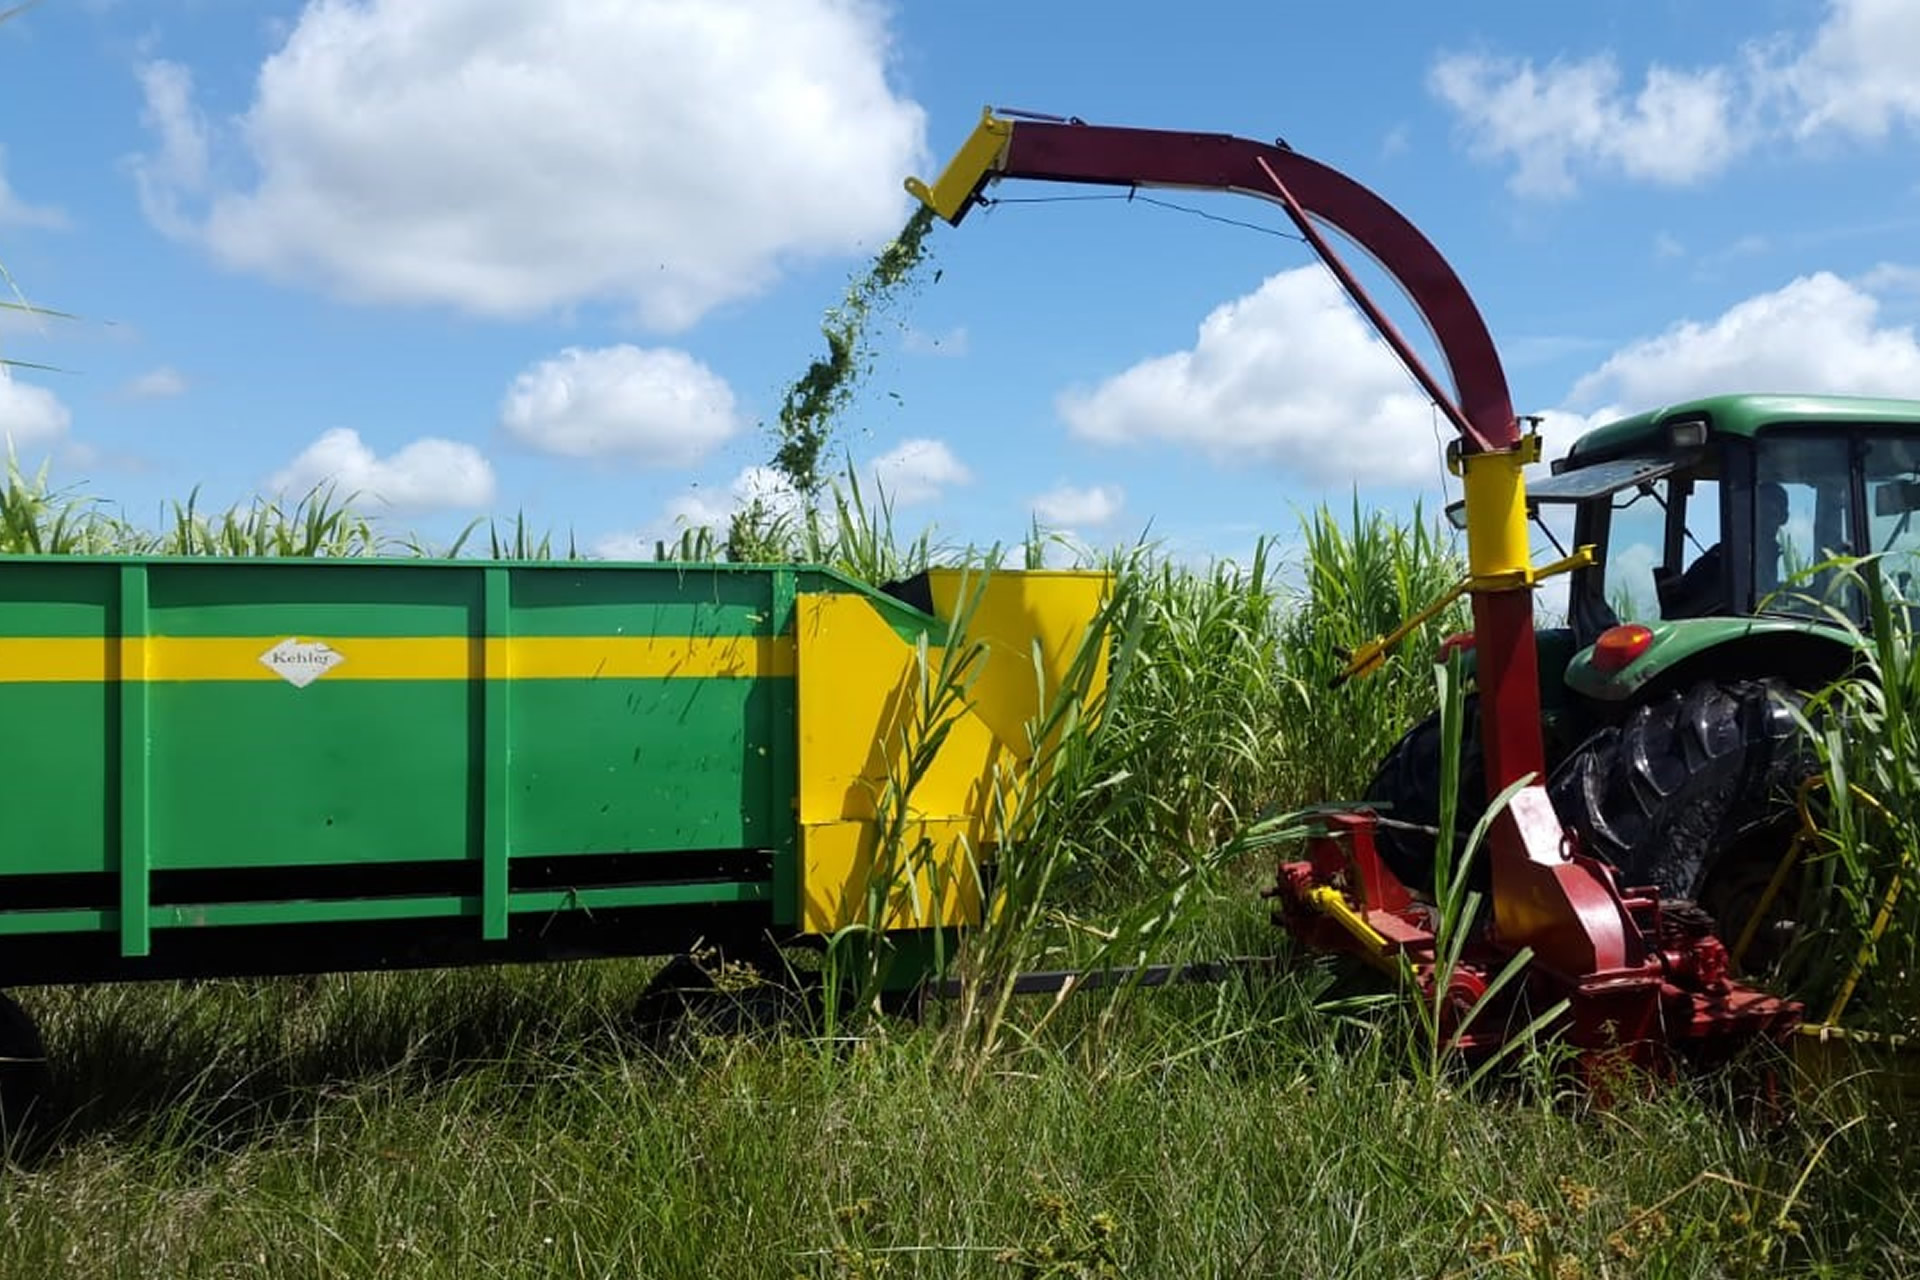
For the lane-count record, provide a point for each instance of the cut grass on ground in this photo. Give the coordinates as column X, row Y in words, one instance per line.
column 496, row 1122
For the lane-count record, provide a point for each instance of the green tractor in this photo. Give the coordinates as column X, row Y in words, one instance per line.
column 1709, row 611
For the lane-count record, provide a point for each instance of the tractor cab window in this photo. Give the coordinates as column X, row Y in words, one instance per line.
column 1700, row 585
column 1802, row 517
column 1663, row 557
column 1634, row 536
column 1892, row 465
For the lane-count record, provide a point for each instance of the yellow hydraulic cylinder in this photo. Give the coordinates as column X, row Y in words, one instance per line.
column 1498, row 556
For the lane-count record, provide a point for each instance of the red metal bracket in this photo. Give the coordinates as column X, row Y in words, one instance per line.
column 1676, row 997
column 1547, row 895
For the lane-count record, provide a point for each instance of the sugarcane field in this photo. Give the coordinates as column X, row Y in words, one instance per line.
column 823, row 638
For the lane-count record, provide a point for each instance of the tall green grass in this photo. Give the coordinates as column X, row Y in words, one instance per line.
column 507, row 1121
column 1233, row 709
column 1361, row 581
column 1856, row 940
column 497, row 1123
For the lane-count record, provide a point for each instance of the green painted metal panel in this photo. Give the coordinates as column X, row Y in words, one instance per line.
column 660, row 895
column 1690, row 641
column 495, row 751
column 264, row 774
column 78, row 920
column 61, row 768
column 424, row 746
column 1744, row 415
column 61, row 763
column 214, row 598
column 344, row 911
column 136, row 772
column 783, row 766
column 311, row 911
column 42, row 598
column 609, row 766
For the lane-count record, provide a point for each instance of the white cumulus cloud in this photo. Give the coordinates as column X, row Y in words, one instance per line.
column 157, row 384
column 178, row 170
column 1289, row 376
column 426, row 475
column 917, row 471
column 1851, row 77
column 1676, row 127
column 660, row 407
column 29, row 415
column 1816, row 334
column 1068, row 506
column 667, row 156
column 1891, row 277
column 1857, row 75
column 698, row 507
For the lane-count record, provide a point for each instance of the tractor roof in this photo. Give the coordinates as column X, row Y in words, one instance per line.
column 1738, row 415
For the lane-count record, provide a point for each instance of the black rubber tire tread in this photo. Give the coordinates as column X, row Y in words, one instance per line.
column 1682, row 781
column 1406, row 787
column 684, row 996
column 24, row 1077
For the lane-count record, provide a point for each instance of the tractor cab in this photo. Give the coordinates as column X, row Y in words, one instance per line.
column 1729, row 507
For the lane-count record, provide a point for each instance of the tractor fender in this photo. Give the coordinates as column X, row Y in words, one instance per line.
column 1804, row 651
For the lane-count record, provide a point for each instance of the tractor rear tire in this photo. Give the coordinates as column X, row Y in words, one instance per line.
column 1406, row 789
column 1689, row 781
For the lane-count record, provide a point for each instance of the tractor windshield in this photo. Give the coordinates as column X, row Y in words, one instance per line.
column 1821, row 496
column 1801, row 519
column 1893, row 495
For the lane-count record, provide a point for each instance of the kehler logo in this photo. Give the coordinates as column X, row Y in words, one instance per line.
column 301, row 662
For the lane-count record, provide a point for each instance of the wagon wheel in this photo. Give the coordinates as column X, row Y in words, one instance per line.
column 24, row 1078
column 736, row 991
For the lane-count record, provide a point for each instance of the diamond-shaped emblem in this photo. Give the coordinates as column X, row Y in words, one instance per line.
column 301, row 662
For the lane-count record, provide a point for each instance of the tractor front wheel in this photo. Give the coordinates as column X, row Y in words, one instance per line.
column 1406, row 792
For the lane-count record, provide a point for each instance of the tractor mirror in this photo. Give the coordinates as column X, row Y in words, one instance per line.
column 1897, row 498
column 1457, row 512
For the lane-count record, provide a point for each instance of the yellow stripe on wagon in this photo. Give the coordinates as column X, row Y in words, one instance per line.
column 41, row 659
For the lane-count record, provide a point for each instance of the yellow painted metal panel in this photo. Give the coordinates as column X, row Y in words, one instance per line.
column 867, row 701
column 1010, row 612
column 38, row 659
column 981, row 154
column 638, row 657
column 1498, row 548
column 240, row 657
column 932, row 880
column 92, row 659
column 866, row 708
column 861, row 706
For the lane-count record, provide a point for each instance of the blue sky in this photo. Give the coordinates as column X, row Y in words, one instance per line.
column 482, row 258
